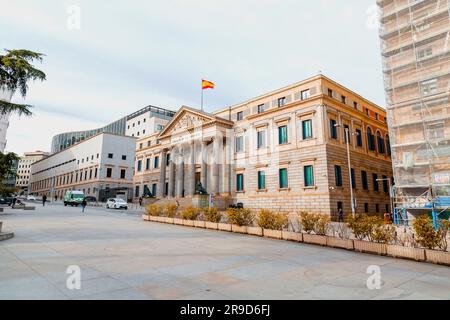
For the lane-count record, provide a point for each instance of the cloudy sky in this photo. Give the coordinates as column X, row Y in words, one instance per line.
column 129, row 54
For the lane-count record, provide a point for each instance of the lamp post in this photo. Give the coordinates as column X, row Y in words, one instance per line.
column 347, row 138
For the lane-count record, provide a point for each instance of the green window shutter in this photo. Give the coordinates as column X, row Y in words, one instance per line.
column 282, row 135
column 261, row 180
column 240, row 182
column 283, row 178
column 307, row 129
column 309, row 176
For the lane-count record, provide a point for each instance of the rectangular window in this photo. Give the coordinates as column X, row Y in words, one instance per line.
column 154, row 189
column 124, row 157
column 239, row 141
column 240, row 116
column 355, row 105
column 122, row 173
column 359, row 141
column 281, row 102
column 149, row 143
column 261, row 108
column 108, row 172
column 156, row 162
column 308, row 173
column 140, row 145
column 353, row 178
column 375, row 181
column 167, row 159
column 338, row 176
column 147, row 164
column 305, row 94
column 333, row 129
column 283, row 178
column 330, row 93
column 364, row 181
column 239, row 182
column 261, row 139
column 377, row 208
column 385, row 184
column 110, row 155
column 307, row 129
column 282, row 135
column 261, row 180
column 344, row 99
column 136, row 191
column 366, row 207
column 139, row 165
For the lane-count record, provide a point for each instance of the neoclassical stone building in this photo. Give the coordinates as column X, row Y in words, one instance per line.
column 285, row 150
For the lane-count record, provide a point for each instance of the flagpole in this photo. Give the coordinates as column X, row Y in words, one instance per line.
column 202, row 98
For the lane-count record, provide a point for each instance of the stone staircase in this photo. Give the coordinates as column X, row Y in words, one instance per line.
column 5, row 235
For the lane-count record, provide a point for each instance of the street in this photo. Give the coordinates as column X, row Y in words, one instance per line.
column 120, row 256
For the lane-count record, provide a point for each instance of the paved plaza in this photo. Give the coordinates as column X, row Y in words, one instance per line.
column 123, row 257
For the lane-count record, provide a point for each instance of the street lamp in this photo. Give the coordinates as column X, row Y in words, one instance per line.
column 347, row 138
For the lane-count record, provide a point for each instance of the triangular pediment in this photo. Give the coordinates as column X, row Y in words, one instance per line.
column 187, row 118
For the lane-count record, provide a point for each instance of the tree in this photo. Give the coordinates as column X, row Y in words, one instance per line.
column 16, row 70
column 7, row 170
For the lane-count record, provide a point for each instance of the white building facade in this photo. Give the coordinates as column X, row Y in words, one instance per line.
column 147, row 121
column 101, row 166
column 24, row 168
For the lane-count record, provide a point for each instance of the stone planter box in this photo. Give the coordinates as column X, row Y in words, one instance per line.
column 292, row 236
column 238, row 229
column 224, row 226
column 255, row 231
column 211, row 225
column 438, row 257
column 315, row 239
column 146, row 217
column 178, row 221
column 370, row 247
column 340, row 243
column 188, row 223
column 274, row 234
column 153, row 218
column 406, row 252
column 199, row 224
column 168, row 220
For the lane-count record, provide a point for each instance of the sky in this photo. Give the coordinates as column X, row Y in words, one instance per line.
column 105, row 59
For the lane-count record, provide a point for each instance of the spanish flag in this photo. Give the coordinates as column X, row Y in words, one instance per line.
column 207, row 85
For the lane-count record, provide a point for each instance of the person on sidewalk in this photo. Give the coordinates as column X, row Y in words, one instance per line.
column 44, row 199
column 341, row 215
column 14, row 200
column 83, row 205
column 140, row 201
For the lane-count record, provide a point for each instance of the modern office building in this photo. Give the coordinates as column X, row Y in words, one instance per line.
column 140, row 123
column 101, row 166
column 24, row 168
column 285, row 150
column 4, row 119
column 415, row 39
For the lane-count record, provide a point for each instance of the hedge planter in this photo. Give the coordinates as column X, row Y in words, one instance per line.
column 255, row 231
column 146, row 217
column 199, row 224
column 274, row 234
column 439, row 257
column 153, row 218
column 292, row 236
column 211, row 225
column 315, row 239
column 178, row 221
column 188, row 223
column 406, row 252
column 370, row 247
column 238, row 229
column 224, row 226
column 168, row 220
column 340, row 243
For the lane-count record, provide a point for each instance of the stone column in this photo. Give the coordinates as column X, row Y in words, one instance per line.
column 191, row 168
column 203, row 174
column 215, row 166
column 180, row 175
column 171, row 191
column 162, row 174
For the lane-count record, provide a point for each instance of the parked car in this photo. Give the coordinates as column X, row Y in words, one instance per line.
column 73, row 198
column 6, row 200
column 116, row 203
column 31, row 198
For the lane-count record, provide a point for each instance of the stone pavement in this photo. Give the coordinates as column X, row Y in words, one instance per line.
column 123, row 257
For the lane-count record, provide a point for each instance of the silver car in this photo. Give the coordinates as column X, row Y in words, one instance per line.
column 116, row 203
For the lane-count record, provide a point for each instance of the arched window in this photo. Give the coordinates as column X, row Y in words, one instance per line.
column 388, row 145
column 380, row 142
column 370, row 139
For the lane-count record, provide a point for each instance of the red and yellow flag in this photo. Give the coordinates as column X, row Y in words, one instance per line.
column 207, row 85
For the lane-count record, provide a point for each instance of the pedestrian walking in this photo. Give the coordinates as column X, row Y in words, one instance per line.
column 83, row 205
column 341, row 215
column 44, row 199
column 140, row 201
column 14, row 200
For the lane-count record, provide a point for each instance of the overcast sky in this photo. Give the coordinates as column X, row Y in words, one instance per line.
column 129, row 54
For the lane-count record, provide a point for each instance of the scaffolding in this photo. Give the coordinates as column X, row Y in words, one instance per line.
column 415, row 36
